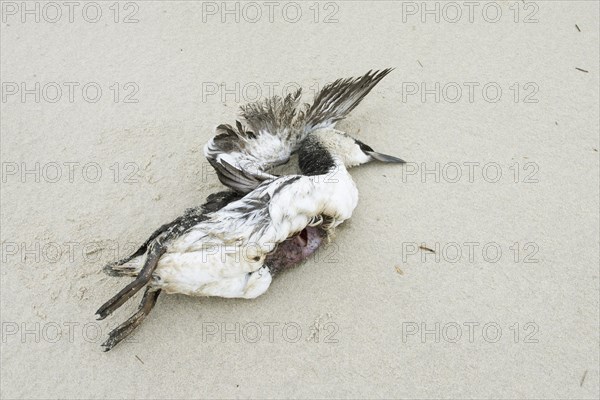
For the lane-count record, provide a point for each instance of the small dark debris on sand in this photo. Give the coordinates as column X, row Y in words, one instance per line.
column 577, row 26
column 420, row 63
column 139, row 359
column 582, row 70
column 583, row 378
column 422, row 247
column 93, row 251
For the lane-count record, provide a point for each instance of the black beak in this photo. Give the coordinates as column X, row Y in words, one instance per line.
column 385, row 158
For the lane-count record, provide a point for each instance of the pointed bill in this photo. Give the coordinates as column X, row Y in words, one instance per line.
column 385, row 158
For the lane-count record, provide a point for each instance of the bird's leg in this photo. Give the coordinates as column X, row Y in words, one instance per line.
column 127, row 327
column 154, row 254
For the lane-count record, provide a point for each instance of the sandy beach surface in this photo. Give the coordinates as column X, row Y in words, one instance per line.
column 106, row 107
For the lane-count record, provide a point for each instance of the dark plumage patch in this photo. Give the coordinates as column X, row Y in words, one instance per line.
column 314, row 158
column 364, row 147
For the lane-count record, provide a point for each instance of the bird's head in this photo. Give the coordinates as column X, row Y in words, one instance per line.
column 326, row 147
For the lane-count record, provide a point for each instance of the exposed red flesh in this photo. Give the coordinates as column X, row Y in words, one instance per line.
column 295, row 249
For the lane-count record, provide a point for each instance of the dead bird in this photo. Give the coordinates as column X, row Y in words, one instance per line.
column 233, row 245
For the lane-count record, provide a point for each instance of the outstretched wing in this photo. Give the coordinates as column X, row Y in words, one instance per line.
column 335, row 101
column 275, row 128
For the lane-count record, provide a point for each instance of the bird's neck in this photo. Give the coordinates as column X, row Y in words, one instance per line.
column 314, row 158
column 335, row 189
